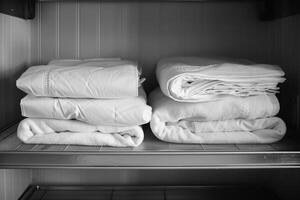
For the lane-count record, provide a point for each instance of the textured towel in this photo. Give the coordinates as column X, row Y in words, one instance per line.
column 99, row 79
column 51, row 131
column 193, row 79
column 231, row 119
column 106, row 112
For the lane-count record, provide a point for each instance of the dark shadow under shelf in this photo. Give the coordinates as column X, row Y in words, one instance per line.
column 151, row 154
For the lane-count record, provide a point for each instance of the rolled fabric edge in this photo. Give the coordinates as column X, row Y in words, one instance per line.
column 178, row 134
column 75, row 109
column 52, row 131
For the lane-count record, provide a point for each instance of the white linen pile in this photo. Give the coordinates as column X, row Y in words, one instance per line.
column 83, row 102
column 215, row 101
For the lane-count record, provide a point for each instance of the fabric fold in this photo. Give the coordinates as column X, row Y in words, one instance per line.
column 108, row 112
column 52, row 131
column 196, row 79
column 73, row 62
column 230, row 119
column 98, row 79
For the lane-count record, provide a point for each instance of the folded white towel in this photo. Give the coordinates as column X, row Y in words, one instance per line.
column 52, row 131
column 194, row 79
column 100, row 79
column 231, row 119
column 107, row 112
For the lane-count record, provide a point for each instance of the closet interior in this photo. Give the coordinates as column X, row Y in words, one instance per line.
column 146, row 31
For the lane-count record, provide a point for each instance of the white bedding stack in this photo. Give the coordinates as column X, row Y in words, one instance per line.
column 212, row 101
column 83, row 102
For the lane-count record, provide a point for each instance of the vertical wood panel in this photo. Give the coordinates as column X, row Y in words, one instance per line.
column 35, row 37
column 164, row 29
column 48, row 31
column 284, row 47
column 149, row 41
column 170, row 32
column 13, row 183
column 67, row 28
column 6, row 72
column 110, row 29
column 192, row 39
column 2, row 184
column 130, row 30
column 88, row 29
column 2, row 63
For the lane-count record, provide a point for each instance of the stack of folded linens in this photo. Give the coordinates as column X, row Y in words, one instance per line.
column 84, row 102
column 208, row 100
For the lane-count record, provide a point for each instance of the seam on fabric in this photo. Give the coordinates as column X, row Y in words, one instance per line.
column 47, row 84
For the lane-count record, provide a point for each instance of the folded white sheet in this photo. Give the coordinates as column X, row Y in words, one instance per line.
column 90, row 62
column 52, row 131
column 73, row 62
column 229, row 120
column 100, row 79
column 195, row 79
column 107, row 112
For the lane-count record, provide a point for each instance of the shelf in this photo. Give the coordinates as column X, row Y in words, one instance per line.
column 151, row 154
column 147, row 192
column 152, row 0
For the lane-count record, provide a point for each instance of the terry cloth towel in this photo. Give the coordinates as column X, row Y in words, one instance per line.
column 194, row 79
column 107, row 112
column 52, row 131
column 229, row 120
column 100, row 79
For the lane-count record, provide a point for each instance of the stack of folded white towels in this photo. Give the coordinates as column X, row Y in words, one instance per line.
column 84, row 102
column 209, row 100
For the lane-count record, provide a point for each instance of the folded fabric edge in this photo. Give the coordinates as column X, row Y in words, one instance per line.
column 40, row 131
column 181, row 135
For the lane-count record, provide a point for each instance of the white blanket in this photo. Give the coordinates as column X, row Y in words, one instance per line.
column 99, row 79
column 194, row 79
column 229, row 120
column 51, row 131
column 107, row 112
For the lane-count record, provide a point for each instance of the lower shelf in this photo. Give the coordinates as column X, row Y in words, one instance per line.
column 153, row 193
column 152, row 154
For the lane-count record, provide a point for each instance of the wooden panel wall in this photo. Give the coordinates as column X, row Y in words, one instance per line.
column 14, row 57
column 13, row 182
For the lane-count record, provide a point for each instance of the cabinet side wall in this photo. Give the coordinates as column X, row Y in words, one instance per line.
column 14, row 57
